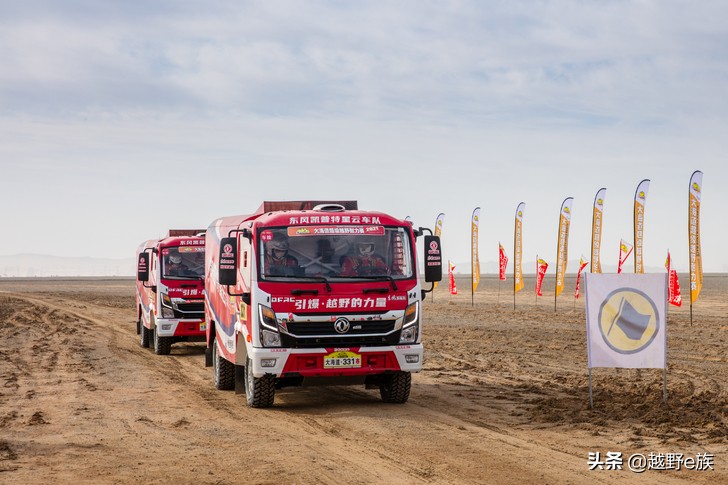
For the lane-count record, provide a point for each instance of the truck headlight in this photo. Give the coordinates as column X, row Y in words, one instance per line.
column 267, row 317
column 166, row 300
column 269, row 336
column 270, row 339
column 167, row 312
column 408, row 335
column 411, row 314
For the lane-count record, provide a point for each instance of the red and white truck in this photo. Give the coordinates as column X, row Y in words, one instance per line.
column 169, row 289
column 315, row 293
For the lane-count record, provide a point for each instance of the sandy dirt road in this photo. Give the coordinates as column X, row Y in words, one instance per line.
column 503, row 398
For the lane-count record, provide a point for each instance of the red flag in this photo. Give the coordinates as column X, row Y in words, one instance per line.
column 450, row 268
column 503, row 261
column 582, row 265
column 625, row 249
column 673, row 287
column 542, row 266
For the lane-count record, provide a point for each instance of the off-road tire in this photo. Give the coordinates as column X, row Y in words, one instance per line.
column 139, row 320
column 145, row 336
column 395, row 388
column 260, row 392
column 162, row 345
column 222, row 370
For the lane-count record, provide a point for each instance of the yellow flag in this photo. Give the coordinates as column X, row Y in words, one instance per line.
column 475, row 270
column 517, row 250
column 696, row 260
column 562, row 252
column 640, row 197
column 597, row 218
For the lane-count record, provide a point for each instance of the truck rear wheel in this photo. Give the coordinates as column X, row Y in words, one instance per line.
column 222, row 370
column 145, row 337
column 162, row 345
column 395, row 388
column 260, row 392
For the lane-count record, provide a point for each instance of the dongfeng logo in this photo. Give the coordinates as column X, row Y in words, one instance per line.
column 228, row 248
column 342, row 325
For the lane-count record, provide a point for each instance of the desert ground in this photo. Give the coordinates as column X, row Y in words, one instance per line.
column 503, row 398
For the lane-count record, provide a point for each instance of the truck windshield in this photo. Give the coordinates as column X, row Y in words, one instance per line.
column 184, row 262
column 335, row 251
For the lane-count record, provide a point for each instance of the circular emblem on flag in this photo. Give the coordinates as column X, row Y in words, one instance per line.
column 628, row 320
column 342, row 325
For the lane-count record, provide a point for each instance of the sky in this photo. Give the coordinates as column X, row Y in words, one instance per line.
column 122, row 119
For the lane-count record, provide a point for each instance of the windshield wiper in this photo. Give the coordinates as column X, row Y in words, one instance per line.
column 373, row 278
column 322, row 279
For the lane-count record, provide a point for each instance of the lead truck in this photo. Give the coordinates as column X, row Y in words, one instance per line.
column 169, row 289
column 315, row 293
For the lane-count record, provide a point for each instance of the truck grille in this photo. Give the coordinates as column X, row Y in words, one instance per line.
column 322, row 334
column 194, row 310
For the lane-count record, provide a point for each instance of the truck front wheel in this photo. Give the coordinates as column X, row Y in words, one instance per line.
column 395, row 388
column 259, row 391
column 222, row 370
column 162, row 345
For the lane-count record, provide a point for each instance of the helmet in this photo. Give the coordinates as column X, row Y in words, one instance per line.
column 366, row 248
column 277, row 245
column 175, row 259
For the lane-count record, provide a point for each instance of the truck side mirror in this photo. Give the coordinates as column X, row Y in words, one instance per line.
column 143, row 267
column 433, row 259
column 228, row 261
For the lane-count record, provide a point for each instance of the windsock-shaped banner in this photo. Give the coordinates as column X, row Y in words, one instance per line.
column 540, row 273
column 597, row 218
column 640, row 197
column 625, row 249
column 475, row 270
column 451, row 278
column 562, row 252
column 696, row 260
column 502, row 262
column 582, row 264
column 517, row 249
column 673, row 284
column 438, row 232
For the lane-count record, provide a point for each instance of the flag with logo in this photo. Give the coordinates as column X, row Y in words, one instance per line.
column 625, row 249
column 502, row 262
column 597, row 218
column 582, row 265
column 562, row 251
column 673, row 285
column 438, row 232
column 696, row 260
column 640, row 197
column 517, row 248
column 451, row 276
column 626, row 320
column 541, row 268
column 475, row 269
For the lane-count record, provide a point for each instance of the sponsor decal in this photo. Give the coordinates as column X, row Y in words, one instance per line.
column 336, row 230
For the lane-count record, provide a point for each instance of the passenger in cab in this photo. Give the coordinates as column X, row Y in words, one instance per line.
column 365, row 262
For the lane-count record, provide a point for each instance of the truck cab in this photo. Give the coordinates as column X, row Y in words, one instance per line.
column 169, row 290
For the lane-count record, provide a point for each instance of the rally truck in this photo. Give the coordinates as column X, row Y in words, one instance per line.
column 169, row 289
column 289, row 301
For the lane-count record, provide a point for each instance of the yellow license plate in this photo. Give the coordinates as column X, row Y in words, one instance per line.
column 203, row 326
column 342, row 360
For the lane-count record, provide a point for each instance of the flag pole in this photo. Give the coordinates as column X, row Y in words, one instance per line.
column 591, row 402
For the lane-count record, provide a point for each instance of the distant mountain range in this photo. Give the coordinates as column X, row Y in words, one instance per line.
column 34, row 265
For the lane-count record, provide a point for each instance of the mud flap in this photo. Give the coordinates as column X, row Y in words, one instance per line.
column 208, row 357
column 239, row 379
